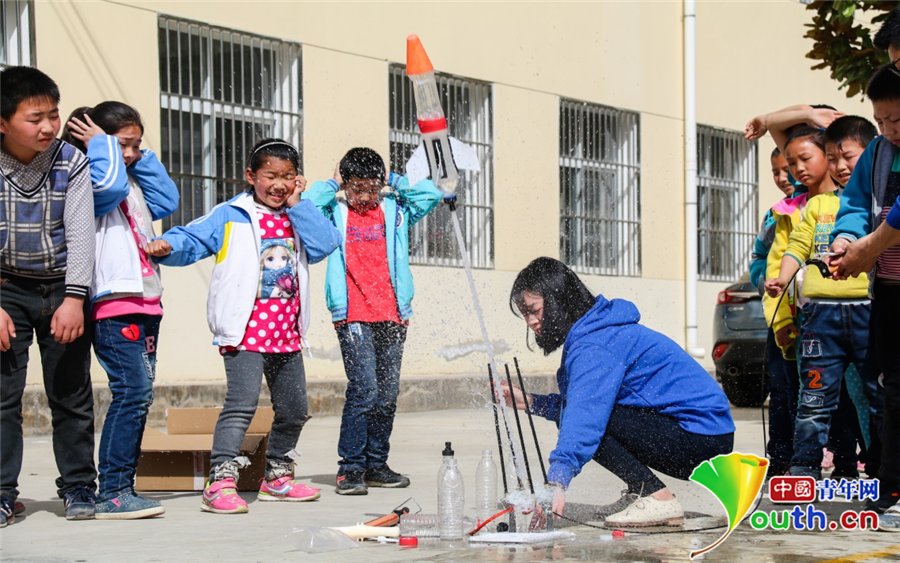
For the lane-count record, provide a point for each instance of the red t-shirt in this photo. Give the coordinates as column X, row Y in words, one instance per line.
column 370, row 294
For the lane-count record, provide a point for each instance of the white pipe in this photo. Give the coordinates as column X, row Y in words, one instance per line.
column 690, row 180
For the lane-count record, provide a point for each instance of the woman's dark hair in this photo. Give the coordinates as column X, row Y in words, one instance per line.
column 363, row 164
column 109, row 116
column 274, row 148
column 566, row 299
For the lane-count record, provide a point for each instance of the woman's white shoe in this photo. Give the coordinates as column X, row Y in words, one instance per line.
column 648, row 511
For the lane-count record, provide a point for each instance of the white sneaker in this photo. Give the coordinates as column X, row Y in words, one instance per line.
column 648, row 511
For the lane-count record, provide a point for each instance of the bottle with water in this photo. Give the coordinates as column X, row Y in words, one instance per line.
column 486, row 487
column 451, row 502
column 447, row 454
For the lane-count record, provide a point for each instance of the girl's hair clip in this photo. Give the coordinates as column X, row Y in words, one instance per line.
column 271, row 143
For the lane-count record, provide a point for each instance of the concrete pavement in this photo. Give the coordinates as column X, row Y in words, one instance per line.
column 185, row 533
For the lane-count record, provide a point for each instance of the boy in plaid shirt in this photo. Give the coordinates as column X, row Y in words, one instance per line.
column 46, row 266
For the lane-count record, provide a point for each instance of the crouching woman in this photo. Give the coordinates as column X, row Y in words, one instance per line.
column 629, row 398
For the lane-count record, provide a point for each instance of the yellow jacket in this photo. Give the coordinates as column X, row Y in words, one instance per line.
column 811, row 237
column 787, row 216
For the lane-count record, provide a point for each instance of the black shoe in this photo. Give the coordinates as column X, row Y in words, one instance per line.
column 81, row 503
column 885, row 500
column 351, row 483
column 7, row 511
column 384, row 476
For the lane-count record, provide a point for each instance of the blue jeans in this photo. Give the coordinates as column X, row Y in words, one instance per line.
column 372, row 354
column 832, row 337
column 129, row 359
column 784, row 388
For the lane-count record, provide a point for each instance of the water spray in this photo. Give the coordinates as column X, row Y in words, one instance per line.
column 496, row 407
column 521, row 436
column 537, row 445
column 441, row 157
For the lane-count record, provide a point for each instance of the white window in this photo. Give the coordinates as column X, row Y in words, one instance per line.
column 600, row 189
column 726, row 202
column 468, row 107
column 221, row 91
column 17, row 24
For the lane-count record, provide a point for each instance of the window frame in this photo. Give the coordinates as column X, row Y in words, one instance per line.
column 20, row 45
column 432, row 241
column 598, row 142
column 727, row 202
column 225, row 113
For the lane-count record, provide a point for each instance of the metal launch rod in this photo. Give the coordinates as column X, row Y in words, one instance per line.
column 537, row 446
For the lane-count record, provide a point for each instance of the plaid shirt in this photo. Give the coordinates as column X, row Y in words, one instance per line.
column 47, row 217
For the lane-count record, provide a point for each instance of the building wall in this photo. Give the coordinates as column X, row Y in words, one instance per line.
column 622, row 54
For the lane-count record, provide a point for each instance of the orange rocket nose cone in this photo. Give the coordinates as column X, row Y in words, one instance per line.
column 417, row 61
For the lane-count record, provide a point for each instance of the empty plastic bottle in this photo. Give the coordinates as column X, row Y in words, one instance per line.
column 451, row 502
column 419, row 525
column 447, row 454
column 486, row 487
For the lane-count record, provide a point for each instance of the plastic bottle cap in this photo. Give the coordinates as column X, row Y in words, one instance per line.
column 448, row 451
column 617, row 534
column 409, row 541
column 417, row 61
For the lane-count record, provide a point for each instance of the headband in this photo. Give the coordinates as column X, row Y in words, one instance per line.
column 270, row 143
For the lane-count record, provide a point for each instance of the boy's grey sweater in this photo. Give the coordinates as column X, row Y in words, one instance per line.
column 47, row 217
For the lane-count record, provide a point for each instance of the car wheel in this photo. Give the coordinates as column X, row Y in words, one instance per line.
column 744, row 390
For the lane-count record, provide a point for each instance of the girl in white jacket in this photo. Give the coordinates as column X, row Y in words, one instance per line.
column 131, row 190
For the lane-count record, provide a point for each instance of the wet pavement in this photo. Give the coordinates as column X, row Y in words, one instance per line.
column 185, row 533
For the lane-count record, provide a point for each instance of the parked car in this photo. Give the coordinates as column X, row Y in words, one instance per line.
column 740, row 344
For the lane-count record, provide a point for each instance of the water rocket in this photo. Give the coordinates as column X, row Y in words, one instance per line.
column 439, row 155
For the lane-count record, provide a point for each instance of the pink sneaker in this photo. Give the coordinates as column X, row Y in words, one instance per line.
column 827, row 459
column 221, row 497
column 285, row 488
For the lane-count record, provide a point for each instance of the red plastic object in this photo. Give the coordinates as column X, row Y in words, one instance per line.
column 417, row 61
column 618, row 534
column 409, row 541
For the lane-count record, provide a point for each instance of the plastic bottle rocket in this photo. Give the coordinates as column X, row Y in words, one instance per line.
column 439, row 156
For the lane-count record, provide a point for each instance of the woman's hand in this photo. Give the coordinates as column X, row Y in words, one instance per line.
column 85, row 130
column 337, row 174
column 522, row 401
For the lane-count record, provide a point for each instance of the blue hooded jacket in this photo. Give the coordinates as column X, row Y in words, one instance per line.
column 609, row 359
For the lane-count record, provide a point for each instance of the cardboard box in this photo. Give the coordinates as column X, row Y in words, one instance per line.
column 179, row 459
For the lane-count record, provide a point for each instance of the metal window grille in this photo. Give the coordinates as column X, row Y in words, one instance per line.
column 727, row 196
column 600, row 189
column 468, row 107
column 17, row 25
column 221, row 91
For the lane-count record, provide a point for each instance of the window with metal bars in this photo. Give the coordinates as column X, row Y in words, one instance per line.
column 727, row 194
column 468, row 107
column 17, row 25
column 221, row 91
column 600, row 189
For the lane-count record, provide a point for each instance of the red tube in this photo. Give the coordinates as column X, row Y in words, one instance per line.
column 485, row 523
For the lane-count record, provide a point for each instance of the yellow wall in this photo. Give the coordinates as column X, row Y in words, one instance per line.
column 750, row 59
